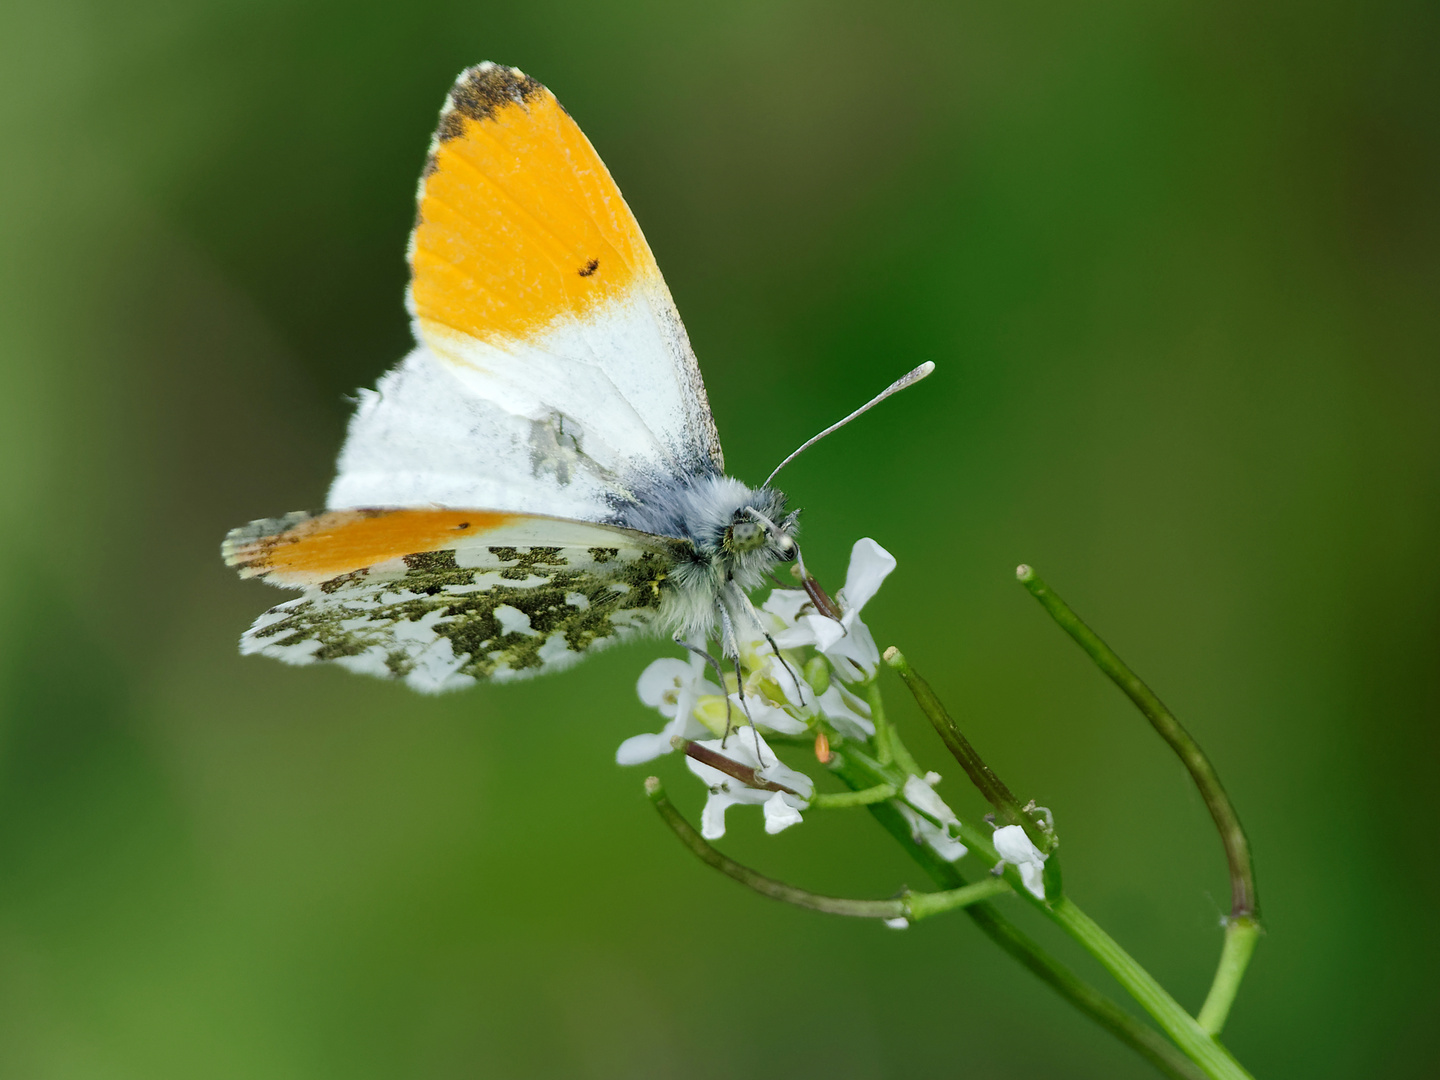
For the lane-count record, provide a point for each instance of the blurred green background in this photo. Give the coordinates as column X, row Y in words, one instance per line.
column 1178, row 266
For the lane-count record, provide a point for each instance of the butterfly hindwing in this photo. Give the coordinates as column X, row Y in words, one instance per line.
column 504, row 597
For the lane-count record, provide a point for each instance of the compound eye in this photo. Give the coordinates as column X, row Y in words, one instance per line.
column 786, row 545
column 745, row 536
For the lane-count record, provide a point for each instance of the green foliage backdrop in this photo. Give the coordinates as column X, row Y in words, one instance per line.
column 1178, row 266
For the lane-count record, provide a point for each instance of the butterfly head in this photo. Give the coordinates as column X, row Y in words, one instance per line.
column 751, row 530
column 755, row 535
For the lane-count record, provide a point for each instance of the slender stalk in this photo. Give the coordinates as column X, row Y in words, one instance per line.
column 981, row 775
column 1240, row 937
column 1145, row 1041
column 884, row 737
column 857, row 767
column 909, row 905
column 887, row 739
column 1243, row 927
column 922, row 905
column 1244, row 903
column 1197, row 1043
column 858, row 772
column 863, row 797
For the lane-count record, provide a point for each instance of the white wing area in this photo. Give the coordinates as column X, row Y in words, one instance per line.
column 560, row 424
column 625, row 372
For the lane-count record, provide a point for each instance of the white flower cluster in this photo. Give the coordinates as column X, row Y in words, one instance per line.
column 808, row 687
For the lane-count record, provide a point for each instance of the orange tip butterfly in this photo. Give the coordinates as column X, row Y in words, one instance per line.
column 541, row 476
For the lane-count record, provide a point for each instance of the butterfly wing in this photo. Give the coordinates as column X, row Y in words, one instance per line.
column 553, row 373
column 442, row 598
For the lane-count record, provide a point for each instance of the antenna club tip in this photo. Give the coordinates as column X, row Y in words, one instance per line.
column 1024, row 572
column 925, row 369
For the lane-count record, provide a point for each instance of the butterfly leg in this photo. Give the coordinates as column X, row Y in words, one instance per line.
column 730, row 642
column 730, row 649
column 754, row 616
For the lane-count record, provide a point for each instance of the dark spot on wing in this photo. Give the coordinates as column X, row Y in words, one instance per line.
column 590, row 268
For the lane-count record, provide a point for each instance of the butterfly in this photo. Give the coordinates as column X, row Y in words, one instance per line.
column 541, row 476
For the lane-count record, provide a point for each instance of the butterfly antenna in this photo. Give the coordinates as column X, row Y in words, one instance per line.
column 894, row 388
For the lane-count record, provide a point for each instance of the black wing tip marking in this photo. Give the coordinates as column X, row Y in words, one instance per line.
column 482, row 91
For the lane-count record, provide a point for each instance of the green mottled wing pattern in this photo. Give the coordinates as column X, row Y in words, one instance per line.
column 498, row 613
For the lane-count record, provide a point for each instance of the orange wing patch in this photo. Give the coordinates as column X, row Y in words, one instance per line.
column 304, row 549
column 519, row 221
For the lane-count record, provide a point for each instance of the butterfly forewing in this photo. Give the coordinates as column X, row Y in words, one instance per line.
column 548, row 337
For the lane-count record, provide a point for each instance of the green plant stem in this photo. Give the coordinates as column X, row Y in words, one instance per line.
column 864, row 797
column 1244, row 902
column 1145, row 1041
column 922, row 905
column 1240, row 937
column 859, row 767
column 909, row 905
column 888, row 746
column 1243, row 927
column 981, row 775
column 1197, row 1043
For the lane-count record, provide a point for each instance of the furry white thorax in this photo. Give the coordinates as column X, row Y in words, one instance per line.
column 712, row 588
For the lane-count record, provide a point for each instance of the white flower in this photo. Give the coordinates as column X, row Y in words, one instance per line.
column 931, row 835
column 1015, row 848
column 846, row 712
column 774, row 677
column 780, row 814
column 674, row 687
column 919, row 794
column 764, row 714
column 847, row 644
column 781, row 808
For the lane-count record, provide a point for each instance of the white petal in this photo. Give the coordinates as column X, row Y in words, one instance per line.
column 712, row 818
column 922, row 796
column 691, row 693
column 789, row 678
column 870, row 565
column 799, row 636
column 927, row 832
column 780, row 814
column 1032, row 876
column 663, row 676
column 827, row 631
column 786, row 604
column 782, row 774
column 642, row 748
column 1012, row 845
column 841, row 708
column 765, row 715
column 854, row 655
